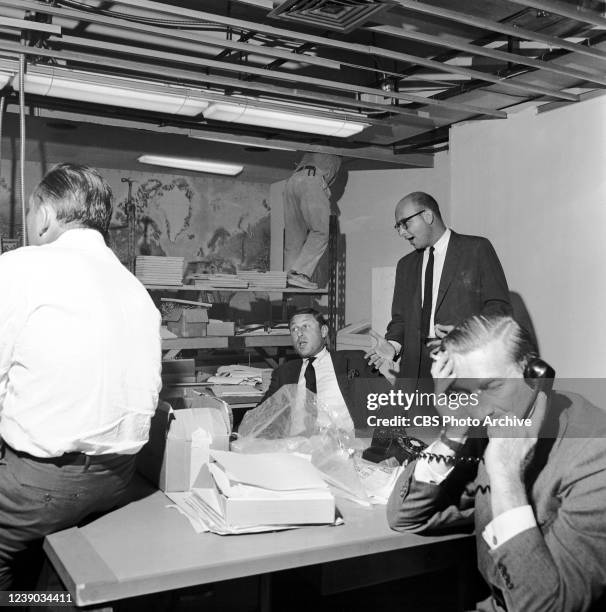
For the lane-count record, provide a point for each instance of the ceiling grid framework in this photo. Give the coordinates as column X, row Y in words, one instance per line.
column 391, row 75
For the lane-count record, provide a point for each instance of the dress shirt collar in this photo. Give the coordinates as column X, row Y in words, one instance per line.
column 441, row 243
column 319, row 356
column 80, row 237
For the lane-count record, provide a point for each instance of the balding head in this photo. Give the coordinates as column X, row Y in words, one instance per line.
column 418, row 219
column 421, row 200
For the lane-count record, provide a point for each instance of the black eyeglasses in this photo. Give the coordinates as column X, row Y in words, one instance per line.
column 403, row 223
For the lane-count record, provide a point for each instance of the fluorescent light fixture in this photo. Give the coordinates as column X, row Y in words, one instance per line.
column 114, row 91
column 252, row 115
column 197, row 165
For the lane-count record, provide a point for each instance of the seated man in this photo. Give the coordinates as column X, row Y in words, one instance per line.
column 340, row 379
column 537, row 493
column 79, row 366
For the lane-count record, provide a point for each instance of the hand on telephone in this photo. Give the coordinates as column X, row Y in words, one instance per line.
column 509, row 446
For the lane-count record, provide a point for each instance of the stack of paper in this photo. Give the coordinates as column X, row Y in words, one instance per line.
column 239, row 375
column 272, row 279
column 152, row 270
column 237, row 390
column 257, row 329
column 241, row 491
column 218, row 281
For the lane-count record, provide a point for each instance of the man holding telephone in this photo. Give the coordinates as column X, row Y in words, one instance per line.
column 536, row 493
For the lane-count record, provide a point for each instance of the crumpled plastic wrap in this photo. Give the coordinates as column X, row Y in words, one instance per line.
column 293, row 420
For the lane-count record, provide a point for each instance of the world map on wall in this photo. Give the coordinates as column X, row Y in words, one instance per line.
column 219, row 225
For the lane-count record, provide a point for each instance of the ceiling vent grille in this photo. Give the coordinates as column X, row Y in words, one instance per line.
column 341, row 15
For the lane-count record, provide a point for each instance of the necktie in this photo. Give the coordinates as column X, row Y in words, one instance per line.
column 310, row 376
column 427, row 296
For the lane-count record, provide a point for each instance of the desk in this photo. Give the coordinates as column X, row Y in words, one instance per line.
column 146, row 547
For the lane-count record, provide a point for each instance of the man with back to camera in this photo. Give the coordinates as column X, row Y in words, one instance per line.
column 80, row 361
column 307, row 216
column 341, row 379
column 537, row 495
column 447, row 278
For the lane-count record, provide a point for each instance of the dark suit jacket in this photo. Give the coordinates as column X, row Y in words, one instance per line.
column 561, row 563
column 472, row 282
column 355, row 377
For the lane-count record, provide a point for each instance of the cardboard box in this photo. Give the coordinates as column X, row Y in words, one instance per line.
column 180, row 438
column 178, row 371
column 265, row 489
column 187, row 322
column 220, row 328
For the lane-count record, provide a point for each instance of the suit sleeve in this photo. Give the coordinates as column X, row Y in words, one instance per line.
column 274, row 385
column 561, row 563
column 495, row 292
column 397, row 325
column 429, row 508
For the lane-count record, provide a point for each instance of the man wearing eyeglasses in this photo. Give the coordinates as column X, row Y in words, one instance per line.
column 447, row 278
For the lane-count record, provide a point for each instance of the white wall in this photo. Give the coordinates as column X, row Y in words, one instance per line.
column 367, row 218
column 535, row 185
column 276, row 203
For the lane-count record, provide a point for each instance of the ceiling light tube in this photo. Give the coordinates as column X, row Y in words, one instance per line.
column 251, row 115
column 196, row 165
column 113, row 91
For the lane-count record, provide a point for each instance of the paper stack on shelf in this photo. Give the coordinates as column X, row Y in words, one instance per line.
column 272, row 279
column 218, row 281
column 241, row 390
column 152, row 270
column 257, row 329
column 239, row 374
column 239, row 384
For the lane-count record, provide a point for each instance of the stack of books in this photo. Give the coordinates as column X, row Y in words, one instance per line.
column 266, row 280
column 152, row 270
column 238, row 493
column 218, row 281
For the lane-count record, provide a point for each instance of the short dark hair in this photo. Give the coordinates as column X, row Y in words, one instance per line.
column 80, row 196
column 424, row 200
column 316, row 314
column 477, row 331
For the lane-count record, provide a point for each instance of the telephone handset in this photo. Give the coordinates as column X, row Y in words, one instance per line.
column 393, row 442
column 539, row 375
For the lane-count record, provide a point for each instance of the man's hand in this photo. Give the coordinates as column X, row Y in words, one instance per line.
column 508, row 451
column 390, row 371
column 510, row 446
column 443, row 372
column 381, row 352
column 442, row 331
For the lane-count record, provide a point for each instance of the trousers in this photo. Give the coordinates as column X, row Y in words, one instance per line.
column 306, row 221
column 38, row 498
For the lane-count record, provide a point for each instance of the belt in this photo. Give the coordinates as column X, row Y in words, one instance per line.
column 73, row 458
column 311, row 170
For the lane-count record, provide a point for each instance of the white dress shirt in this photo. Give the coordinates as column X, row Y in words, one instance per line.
column 439, row 256
column 80, row 352
column 328, row 391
